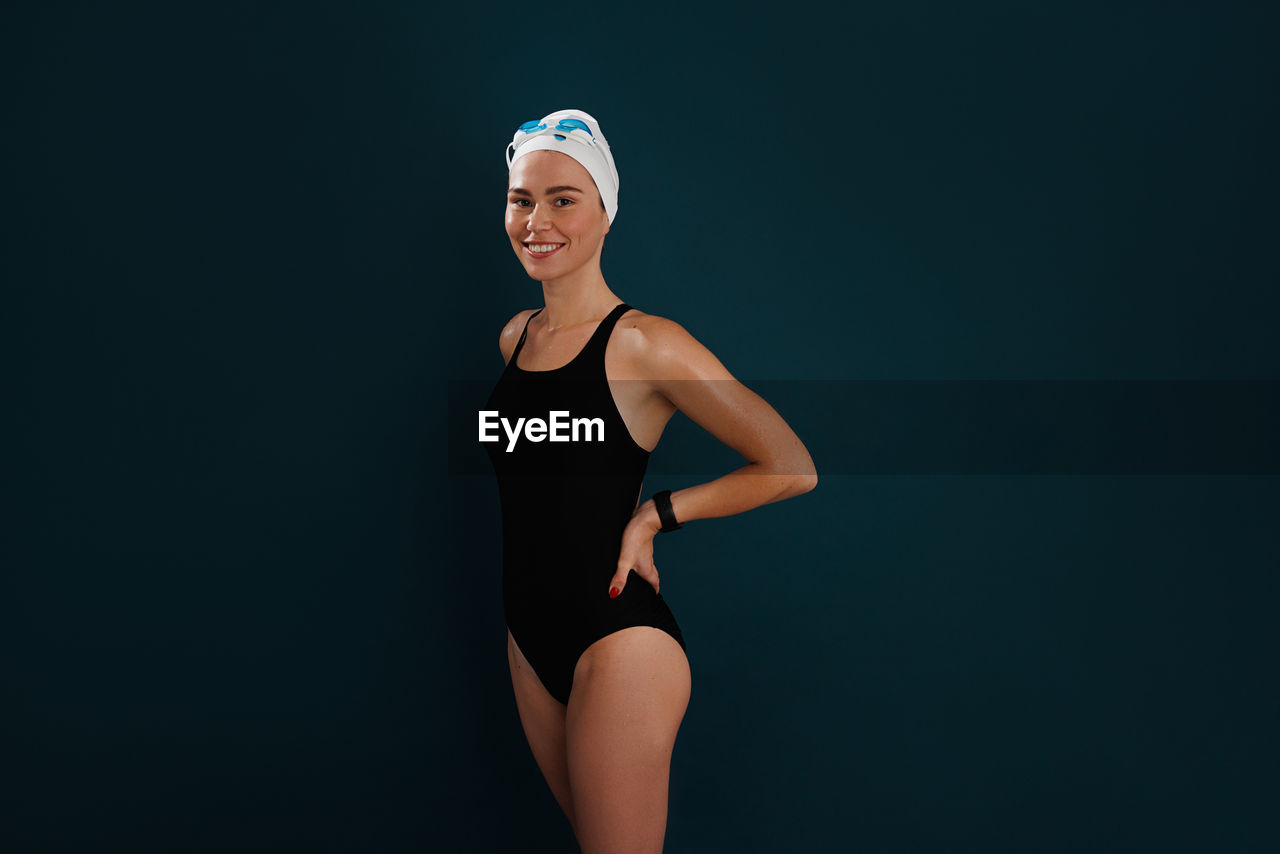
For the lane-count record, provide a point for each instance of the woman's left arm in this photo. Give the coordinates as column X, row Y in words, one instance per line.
column 689, row 376
column 693, row 379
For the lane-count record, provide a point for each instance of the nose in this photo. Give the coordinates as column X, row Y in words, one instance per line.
column 538, row 217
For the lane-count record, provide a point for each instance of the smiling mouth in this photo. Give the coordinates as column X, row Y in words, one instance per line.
column 542, row 250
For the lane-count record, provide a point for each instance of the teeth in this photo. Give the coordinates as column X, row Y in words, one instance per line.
column 543, row 247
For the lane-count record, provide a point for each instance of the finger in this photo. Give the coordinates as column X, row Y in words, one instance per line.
column 618, row 581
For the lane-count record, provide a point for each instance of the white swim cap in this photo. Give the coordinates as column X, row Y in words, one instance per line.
column 586, row 145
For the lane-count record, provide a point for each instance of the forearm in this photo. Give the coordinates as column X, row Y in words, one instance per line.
column 753, row 485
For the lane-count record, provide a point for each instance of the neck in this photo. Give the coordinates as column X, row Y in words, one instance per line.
column 580, row 297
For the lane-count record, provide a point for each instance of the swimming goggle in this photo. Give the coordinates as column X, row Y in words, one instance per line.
column 563, row 129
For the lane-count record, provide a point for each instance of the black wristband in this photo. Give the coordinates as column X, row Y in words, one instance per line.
column 666, row 515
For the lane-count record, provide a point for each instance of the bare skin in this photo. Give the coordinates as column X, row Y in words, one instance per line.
column 606, row 756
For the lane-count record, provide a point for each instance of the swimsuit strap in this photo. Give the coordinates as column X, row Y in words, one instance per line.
column 520, row 343
column 592, row 354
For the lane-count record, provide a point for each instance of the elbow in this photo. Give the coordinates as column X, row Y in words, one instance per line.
column 804, row 480
column 791, row 478
column 808, row 478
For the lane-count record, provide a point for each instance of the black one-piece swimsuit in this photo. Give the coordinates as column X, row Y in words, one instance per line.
column 565, row 504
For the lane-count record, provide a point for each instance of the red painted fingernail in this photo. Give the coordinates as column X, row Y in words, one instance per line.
column 613, row 592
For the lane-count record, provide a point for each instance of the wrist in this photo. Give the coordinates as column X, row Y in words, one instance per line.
column 667, row 520
column 648, row 514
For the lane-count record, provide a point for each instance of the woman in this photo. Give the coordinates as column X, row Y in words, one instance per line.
column 597, row 660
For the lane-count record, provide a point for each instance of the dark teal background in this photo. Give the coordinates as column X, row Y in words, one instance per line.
column 246, row 607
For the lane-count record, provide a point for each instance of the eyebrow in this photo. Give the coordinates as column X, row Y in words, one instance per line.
column 521, row 191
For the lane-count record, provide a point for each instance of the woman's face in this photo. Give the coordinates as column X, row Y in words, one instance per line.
column 552, row 200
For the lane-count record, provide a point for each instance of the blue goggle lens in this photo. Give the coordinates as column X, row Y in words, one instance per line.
column 564, row 124
column 573, row 124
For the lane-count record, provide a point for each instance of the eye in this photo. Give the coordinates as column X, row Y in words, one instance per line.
column 520, row 202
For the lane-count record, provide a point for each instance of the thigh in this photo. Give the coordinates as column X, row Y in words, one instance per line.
column 630, row 692
column 543, row 719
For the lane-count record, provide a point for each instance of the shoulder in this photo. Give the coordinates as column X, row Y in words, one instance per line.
column 511, row 332
column 661, row 347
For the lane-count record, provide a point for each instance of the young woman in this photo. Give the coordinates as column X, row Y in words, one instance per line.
column 597, row 660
